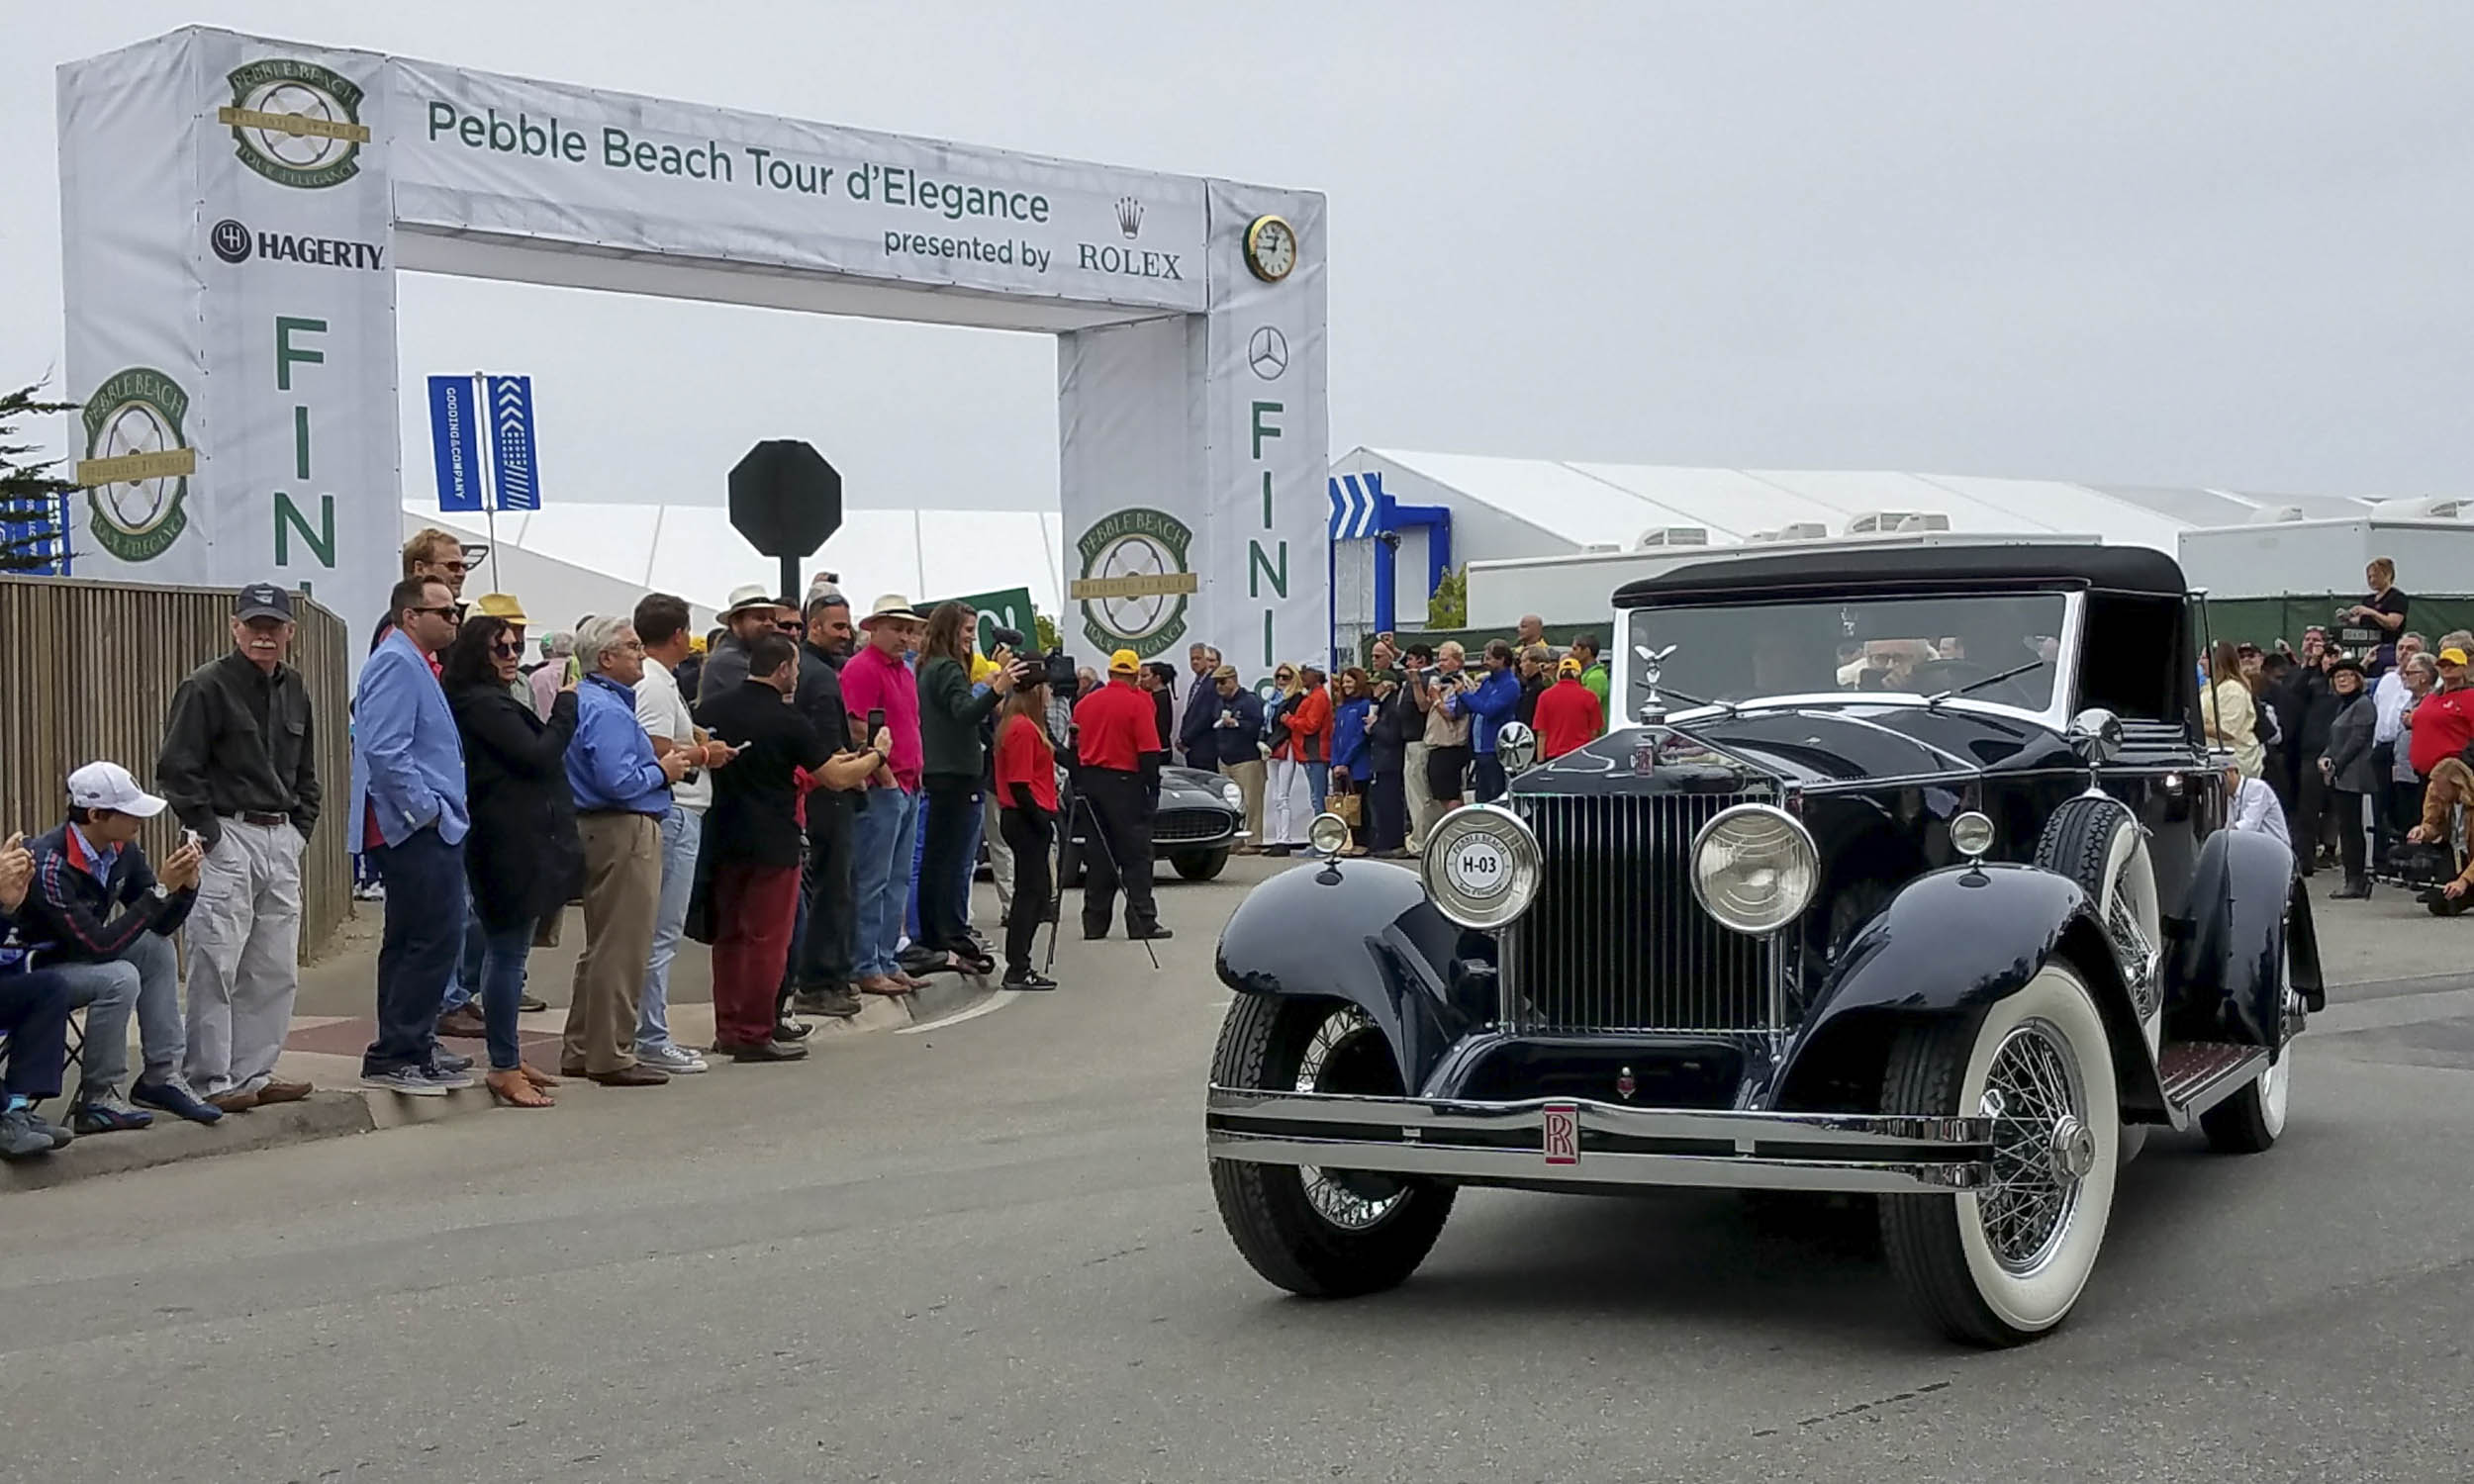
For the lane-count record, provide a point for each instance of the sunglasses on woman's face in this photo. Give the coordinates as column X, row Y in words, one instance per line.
column 509, row 647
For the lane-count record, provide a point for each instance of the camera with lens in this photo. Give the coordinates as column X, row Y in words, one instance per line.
column 1006, row 638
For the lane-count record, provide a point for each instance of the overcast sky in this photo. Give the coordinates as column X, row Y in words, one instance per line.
column 2216, row 244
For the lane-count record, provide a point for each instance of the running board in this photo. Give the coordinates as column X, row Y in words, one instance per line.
column 2199, row 1074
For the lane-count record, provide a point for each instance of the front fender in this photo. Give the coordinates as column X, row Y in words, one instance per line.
column 2222, row 980
column 1952, row 942
column 1365, row 932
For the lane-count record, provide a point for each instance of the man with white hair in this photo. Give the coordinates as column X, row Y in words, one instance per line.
column 622, row 793
column 550, row 676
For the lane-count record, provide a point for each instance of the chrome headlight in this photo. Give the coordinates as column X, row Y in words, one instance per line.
column 1755, row 869
column 1232, row 796
column 1482, row 865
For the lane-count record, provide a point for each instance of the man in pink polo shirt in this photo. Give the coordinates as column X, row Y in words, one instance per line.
column 884, row 832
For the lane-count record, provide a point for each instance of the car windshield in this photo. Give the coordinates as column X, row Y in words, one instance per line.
column 1911, row 646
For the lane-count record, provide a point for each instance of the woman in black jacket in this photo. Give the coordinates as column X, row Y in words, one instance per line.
column 2351, row 774
column 954, row 758
column 1389, row 728
column 523, row 856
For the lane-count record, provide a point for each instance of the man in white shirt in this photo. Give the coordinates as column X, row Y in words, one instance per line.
column 2392, row 698
column 2250, row 805
column 664, row 628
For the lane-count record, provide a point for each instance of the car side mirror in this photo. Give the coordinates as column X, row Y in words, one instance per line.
column 2096, row 736
column 1516, row 748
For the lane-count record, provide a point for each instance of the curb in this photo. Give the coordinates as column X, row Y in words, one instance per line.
column 334, row 1114
column 320, row 1115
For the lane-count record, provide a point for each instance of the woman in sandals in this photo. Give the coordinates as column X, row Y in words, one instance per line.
column 524, row 857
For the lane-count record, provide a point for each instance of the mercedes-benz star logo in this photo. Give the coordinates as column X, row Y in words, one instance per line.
column 230, row 240
column 1267, row 352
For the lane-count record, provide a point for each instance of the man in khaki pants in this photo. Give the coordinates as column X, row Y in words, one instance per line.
column 622, row 793
column 240, row 765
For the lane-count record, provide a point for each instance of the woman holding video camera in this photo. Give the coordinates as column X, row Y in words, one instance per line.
column 954, row 760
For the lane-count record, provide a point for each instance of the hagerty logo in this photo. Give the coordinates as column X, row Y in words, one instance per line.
column 296, row 123
column 233, row 242
column 137, row 463
column 1135, row 583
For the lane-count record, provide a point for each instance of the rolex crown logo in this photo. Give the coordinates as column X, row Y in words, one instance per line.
column 1129, row 216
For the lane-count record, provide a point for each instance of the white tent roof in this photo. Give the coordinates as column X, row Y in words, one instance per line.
column 569, row 560
column 1586, row 503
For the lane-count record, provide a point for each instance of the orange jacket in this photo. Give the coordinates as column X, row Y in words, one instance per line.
column 1310, row 726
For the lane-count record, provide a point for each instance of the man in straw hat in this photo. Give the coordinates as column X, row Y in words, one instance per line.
column 753, row 612
column 886, row 831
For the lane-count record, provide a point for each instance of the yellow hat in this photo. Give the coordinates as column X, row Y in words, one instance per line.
column 1568, row 666
column 2453, row 657
column 501, row 606
column 1124, row 662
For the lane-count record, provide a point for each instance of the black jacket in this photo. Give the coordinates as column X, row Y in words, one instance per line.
column 1193, row 739
column 1389, row 729
column 723, row 670
column 524, row 857
column 754, row 819
column 75, row 915
column 820, row 700
column 238, row 741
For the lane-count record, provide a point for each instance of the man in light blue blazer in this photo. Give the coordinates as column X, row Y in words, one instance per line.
column 408, row 810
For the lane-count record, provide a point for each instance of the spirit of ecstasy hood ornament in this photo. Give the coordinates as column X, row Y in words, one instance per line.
column 1653, row 664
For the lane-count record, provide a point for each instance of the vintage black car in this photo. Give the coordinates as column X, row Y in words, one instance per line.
column 1201, row 817
column 1909, row 880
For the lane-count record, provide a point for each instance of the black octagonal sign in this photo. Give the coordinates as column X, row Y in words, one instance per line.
column 784, row 498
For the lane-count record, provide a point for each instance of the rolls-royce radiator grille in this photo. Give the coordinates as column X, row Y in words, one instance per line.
column 1615, row 940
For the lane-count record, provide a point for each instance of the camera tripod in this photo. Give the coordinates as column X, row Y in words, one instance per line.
column 1084, row 804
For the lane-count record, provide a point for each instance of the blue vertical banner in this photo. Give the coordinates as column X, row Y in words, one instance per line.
column 510, row 444
column 455, row 439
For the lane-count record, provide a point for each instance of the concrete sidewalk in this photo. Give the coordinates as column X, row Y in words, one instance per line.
column 333, row 1021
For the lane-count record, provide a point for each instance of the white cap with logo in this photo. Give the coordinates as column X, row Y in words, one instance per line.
column 108, row 785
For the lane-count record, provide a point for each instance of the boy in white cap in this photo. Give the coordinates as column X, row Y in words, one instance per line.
column 107, row 921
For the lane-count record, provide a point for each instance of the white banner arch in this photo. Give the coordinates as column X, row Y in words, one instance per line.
column 236, row 209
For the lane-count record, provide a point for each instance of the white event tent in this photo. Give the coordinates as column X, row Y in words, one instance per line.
column 565, row 561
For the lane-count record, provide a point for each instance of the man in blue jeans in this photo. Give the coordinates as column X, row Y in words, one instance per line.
column 408, row 803
column 887, row 831
column 104, row 920
column 33, row 1028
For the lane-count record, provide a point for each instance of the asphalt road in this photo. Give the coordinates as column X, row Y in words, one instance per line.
column 988, row 1251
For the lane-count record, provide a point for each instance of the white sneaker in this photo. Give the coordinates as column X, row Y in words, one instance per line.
column 677, row 1061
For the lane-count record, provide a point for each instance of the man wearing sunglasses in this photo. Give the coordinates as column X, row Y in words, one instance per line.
column 408, row 809
column 240, row 767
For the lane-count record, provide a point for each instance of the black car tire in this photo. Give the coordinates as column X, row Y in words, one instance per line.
column 2095, row 841
column 1944, row 1246
column 1200, row 865
column 1277, row 1214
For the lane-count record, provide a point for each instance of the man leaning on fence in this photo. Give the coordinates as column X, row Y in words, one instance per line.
column 240, row 765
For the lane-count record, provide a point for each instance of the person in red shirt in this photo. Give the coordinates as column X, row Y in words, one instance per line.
column 1026, row 813
column 1568, row 715
column 1118, row 741
column 2442, row 723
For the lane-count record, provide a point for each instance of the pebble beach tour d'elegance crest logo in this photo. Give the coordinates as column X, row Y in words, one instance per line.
column 137, row 463
column 296, row 123
column 1135, row 581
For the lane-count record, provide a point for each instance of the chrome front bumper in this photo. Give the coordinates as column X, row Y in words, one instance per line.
column 1577, row 1142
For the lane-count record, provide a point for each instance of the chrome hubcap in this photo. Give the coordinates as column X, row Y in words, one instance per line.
column 2043, row 1146
column 1351, row 1200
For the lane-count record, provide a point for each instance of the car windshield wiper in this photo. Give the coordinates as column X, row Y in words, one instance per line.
column 2013, row 673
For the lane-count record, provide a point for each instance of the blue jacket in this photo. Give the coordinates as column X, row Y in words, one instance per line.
column 610, row 763
column 408, row 762
column 77, row 917
column 1227, row 746
column 1348, row 737
column 1489, row 706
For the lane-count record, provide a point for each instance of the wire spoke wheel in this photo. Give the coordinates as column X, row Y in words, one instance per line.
column 2040, row 1147
column 1351, row 1200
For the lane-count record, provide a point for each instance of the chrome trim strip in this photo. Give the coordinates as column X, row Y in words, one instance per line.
column 1879, row 1150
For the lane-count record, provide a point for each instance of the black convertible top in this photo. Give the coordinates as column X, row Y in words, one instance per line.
column 1754, row 572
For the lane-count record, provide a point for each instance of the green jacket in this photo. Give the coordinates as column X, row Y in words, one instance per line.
column 1594, row 680
column 949, row 719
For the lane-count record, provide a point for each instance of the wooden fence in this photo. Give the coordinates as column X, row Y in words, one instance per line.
column 87, row 671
